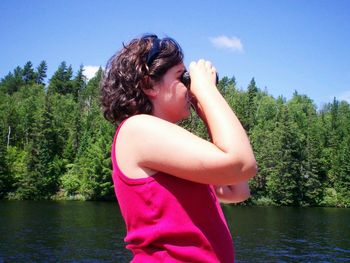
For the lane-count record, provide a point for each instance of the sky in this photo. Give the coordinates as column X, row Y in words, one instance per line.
column 286, row 46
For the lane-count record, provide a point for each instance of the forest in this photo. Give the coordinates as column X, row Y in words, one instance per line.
column 55, row 143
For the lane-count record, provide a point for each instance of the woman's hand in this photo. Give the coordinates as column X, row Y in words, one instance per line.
column 233, row 193
column 203, row 76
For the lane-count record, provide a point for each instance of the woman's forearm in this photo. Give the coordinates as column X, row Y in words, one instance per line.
column 224, row 127
column 226, row 131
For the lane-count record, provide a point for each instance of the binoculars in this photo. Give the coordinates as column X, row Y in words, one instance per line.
column 186, row 79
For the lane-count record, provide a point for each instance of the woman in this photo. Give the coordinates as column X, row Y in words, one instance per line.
column 167, row 180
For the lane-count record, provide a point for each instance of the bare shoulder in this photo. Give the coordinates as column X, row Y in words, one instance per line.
column 142, row 120
column 142, row 133
column 134, row 139
column 143, row 125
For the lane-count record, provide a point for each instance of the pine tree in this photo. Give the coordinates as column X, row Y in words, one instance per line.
column 41, row 73
column 12, row 82
column 7, row 84
column 252, row 105
column 92, row 88
column 42, row 179
column 61, row 81
column 79, row 84
column 311, row 178
column 28, row 74
column 282, row 182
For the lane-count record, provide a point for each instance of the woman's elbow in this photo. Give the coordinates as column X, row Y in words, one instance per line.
column 243, row 171
column 251, row 170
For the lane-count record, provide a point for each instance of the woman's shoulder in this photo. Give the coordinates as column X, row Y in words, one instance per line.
column 141, row 119
column 145, row 123
column 145, row 132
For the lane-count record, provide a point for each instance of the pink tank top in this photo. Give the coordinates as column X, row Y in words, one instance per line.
column 169, row 219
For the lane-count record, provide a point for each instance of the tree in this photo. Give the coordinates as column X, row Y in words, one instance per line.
column 28, row 74
column 79, row 84
column 226, row 85
column 12, row 81
column 41, row 73
column 92, row 89
column 252, row 105
column 5, row 178
column 61, row 81
column 308, row 138
column 43, row 171
column 262, row 137
column 342, row 171
column 282, row 182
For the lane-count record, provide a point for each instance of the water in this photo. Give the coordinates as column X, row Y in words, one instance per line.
column 93, row 232
column 290, row 234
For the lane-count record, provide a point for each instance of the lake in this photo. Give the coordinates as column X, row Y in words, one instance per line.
column 72, row 231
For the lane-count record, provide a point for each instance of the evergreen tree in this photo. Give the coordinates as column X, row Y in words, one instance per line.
column 28, row 74
column 41, row 73
column 61, row 81
column 29, row 105
column 5, row 178
column 342, row 183
column 226, row 85
column 79, row 84
column 252, row 105
column 7, row 84
column 282, row 182
column 12, row 81
column 308, row 139
column 92, row 89
column 42, row 179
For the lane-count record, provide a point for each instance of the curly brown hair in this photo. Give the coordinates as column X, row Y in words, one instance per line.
column 125, row 75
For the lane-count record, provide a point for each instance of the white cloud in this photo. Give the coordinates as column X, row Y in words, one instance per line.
column 345, row 96
column 231, row 43
column 90, row 71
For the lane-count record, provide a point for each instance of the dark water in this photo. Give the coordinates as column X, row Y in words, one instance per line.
column 93, row 232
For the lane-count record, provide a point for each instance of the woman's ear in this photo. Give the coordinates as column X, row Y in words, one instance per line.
column 150, row 92
column 149, row 87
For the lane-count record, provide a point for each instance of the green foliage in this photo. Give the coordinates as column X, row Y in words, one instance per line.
column 41, row 73
column 56, row 144
column 5, row 176
column 28, row 74
column 61, row 81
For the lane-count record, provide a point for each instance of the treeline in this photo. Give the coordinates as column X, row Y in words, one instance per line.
column 55, row 143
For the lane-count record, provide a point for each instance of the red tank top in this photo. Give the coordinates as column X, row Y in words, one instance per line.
column 169, row 219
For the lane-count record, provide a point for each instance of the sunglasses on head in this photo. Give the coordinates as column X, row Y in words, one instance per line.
column 154, row 51
column 152, row 55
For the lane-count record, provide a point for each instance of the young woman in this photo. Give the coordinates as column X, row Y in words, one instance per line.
column 168, row 181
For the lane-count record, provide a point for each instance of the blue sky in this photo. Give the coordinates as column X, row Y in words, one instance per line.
column 285, row 45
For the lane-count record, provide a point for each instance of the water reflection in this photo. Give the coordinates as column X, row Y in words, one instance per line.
column 290, row 234
column 94, row 231
column 61, row 231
